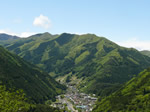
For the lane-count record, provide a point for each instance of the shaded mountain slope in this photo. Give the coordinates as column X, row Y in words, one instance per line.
column 132, row 97
column 17, row 73
column 101, row 64
column 4, row 36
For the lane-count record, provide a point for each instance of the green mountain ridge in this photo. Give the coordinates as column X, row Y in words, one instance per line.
column 19, row 74
column 146, row 52
column 101, row 64
column 131, row 97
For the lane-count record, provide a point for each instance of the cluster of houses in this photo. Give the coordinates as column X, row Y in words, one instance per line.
column 81, row 101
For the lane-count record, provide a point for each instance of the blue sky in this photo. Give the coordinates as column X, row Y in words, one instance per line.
column 126, row 22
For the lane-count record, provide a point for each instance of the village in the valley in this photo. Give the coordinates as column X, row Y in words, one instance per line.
column 74, row 101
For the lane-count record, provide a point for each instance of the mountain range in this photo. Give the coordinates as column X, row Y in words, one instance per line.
column 99, row 65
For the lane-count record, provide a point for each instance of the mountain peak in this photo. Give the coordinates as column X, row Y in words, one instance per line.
column 65, row 34
column 41, row 34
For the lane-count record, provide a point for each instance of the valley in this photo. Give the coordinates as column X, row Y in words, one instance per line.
column 73, row 73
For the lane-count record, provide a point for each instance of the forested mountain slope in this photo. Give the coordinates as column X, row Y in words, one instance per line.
column 132, row 97
column 19, row 74
column 101, row 64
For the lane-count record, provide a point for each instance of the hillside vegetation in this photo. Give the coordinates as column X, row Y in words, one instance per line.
column 15, row 73
column 134, row 96
column 15, row 101
column 101, row 64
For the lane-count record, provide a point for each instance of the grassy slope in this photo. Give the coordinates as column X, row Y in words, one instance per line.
column 101, row 64
column 15, row 72
column 132, row 97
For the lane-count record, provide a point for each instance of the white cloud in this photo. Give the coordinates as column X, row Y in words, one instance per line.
column 23, row 34
column 136, row 43
column 26, row 34
column 42, row 21
column 8, row 32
